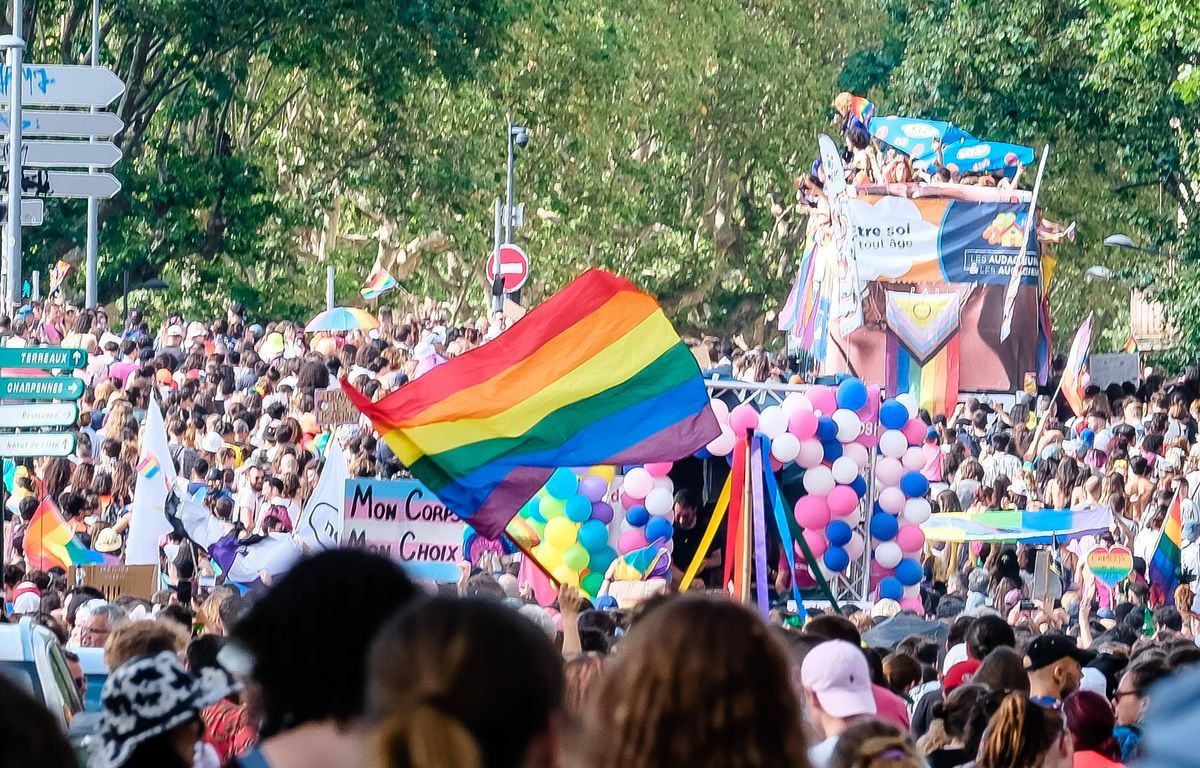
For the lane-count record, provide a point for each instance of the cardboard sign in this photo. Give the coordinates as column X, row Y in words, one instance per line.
column 1115, row 368
column 1111, row 565
column 334, row 408
column 405, row 521
column 116, row 580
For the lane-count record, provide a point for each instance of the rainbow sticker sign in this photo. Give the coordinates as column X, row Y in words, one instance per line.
column 1111, row 565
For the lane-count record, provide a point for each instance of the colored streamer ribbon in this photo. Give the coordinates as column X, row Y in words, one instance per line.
column 737, row 504
column 785, row 536
column 760, row 528
column 710, row 533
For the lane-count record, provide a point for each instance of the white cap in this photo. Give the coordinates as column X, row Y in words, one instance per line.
column 953, row 656
column 836, row 673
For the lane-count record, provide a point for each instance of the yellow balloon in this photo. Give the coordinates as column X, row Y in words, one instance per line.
column 561, row 533
column 548, row 556
column 566, row 576
column 607, row 471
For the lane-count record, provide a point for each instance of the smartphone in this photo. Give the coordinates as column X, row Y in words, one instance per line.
column 1027, row 605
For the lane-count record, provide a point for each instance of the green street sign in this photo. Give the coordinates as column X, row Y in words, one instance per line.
column 41, row 388
column 42, row 358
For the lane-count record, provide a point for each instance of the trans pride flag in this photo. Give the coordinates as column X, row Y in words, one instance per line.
column 595, row 375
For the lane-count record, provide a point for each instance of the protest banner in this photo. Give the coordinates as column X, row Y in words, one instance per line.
column 334, row 408
column 1114, row 368
column 405, row 521
column 113, row 581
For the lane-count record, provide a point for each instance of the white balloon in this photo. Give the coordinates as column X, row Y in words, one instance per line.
column 627, row 526
column 785, row 447
column 819, row 481
column 913, row 459
column 659, row 501
column 772, row 422
column 917, row 511
column 811, row 453
column 888, row 554
column 892, row 443
column 845, row 470
column 671, row 546
column 912, row 591
column 854, row 518
column 796, row 402
column 855, row 546
column 665, row 483
column 848, row 424
column 857, row 453
column 910, row 402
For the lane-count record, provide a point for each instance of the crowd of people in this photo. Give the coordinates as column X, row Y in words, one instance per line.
column 346, row 661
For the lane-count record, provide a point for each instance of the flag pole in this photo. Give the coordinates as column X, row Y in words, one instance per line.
column 537, row 563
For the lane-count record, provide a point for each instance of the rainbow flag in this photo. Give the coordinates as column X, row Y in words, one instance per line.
column 379, row 282
column 1072, row 377
column 1131, row 346
column 595, row 375
column 58, row 273
column 50, row 543
column 1165, row 567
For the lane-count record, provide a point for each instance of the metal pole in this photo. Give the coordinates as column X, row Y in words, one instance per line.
column 508, row 196
column 16, row 75
column 125, row 300
column 329, row 287
column 36, row 293
column 497, row 236
column 93, row 204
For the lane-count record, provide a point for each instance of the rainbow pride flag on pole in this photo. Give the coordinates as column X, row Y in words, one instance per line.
column 379, row 282
column 1072, row 376
column 50, row 542
column 595, row 375
column 1165, row 566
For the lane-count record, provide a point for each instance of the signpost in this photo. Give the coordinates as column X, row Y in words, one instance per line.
column 68, row 184
column 50, row 154
column 40, row 122
column 41, row 388
column 64, row 85
column 33, row 212
column 514, row 267
column 29, row 415
column 43, row 358
column 28, row 444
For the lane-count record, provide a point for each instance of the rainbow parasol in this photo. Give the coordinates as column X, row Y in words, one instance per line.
column 342, row 319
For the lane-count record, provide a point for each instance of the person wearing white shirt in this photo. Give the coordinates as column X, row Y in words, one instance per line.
column 1000, row 462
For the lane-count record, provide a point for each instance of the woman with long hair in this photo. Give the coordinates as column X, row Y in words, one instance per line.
column 464, row 683
column 1091, row 721
column 875, row 744
column 964, row 716
column 665, row 702
column 1023, row 734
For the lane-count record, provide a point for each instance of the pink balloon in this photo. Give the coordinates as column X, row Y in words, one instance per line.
column 878, row 573
column 857, row 453
column 659, row 468
column 892, row 500
column 842, row 500
column 802, row 424
column 915, row 431
column 631, row 540
column 723, row 444
column 913, row 604
column 638, row 483
column 910, row 538
column 913, row 459
column 855, row 546
column 811, row 454
column 816, row 542
column 776, row 464
column 812, row 513
column 823, row 399
column 743, row 419
column 628, row 501
column 720, row 410
column 888, row 471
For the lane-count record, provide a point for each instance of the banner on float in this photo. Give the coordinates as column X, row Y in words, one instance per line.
column 941, row 240
column 405, row 521
column 1040, row 526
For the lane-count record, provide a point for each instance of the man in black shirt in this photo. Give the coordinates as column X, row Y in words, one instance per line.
column 689, row 530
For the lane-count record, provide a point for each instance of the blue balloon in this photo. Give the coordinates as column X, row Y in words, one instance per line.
column 852, row 394
column 838, row 533
column 890, row 588
column 893, row 414
column 605, row 602
column 833, row 450
column 659, row 528
column 562, row 484
column 701, row 454
column 884, row 526
column 836, row 559
column 859, row 485
column 601, row 559
column 914, row 484
column 908, row 572
column 878, row 510
column 534, row 511
column 637, row 516
column 578, row 508
column 826, row 429
column 593, row 535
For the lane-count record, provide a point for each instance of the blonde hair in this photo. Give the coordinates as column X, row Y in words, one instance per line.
column 667, row 701
column 1019, row 735
column 146, row 637
column 874, row 744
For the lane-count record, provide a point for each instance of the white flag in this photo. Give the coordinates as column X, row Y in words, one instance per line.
column 155, row 478
column 201, row 525
column 320, row 524
column 275, row 554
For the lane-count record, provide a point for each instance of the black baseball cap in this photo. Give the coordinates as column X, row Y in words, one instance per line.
column 1052, row 647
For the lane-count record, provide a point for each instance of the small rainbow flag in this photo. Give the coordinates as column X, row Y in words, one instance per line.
column 50, row 543
column 379, row 282
column 1165, row 566
column 58, row 273
column 1131, row 346
column 594, row 375
column 1072, row 376
column 148, row 467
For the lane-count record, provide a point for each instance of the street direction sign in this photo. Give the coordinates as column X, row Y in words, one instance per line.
column 41, row 388
column 63, row 85
column 25, row 415
column 66, row 184
column 514, row 266
column 49, row 154
column 30, row 444
column 42, row 358
column 33, row 212
column 38, row 122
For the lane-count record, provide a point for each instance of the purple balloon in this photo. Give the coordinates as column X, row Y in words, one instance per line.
column 602, row 511
column 593, row 487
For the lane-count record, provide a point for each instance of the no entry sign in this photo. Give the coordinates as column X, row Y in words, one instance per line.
column 514, row 267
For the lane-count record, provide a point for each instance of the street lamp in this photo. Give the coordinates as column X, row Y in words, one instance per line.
column 14, row 45
column 1098, row 272
column 1119, row 240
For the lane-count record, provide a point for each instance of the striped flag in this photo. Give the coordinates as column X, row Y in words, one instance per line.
column 1131, row 346
column 50, row 542
column 1165, row 566
column 1072, row 378
column 58, row 273
column 379, row 282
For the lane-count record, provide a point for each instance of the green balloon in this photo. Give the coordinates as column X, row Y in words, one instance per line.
column 550, row 508
column 592, row 583
column 576, row 557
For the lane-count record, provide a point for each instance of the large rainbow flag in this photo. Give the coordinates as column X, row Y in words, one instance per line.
column 1072, row 377
column 1165, row 566
column 595, row 375
column 50, row 543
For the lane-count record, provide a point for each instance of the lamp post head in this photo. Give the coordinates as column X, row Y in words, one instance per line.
column 1120, row 241
column 11, row 41
column 1098, row 272
column 519, row 134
